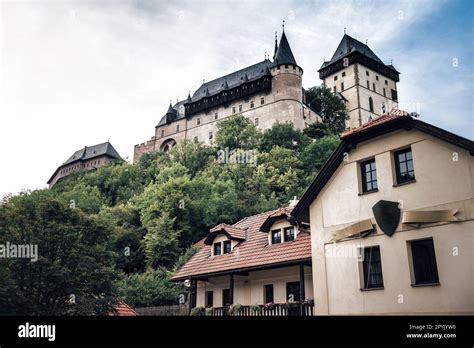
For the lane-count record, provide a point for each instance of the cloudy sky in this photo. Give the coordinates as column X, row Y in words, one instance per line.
column 76, row 73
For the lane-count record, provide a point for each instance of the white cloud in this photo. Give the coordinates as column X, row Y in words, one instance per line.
column 76, row 73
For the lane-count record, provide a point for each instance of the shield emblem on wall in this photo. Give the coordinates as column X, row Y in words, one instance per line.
column 387, row 214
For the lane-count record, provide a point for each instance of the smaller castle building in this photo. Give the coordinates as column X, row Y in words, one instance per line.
column 88, row 158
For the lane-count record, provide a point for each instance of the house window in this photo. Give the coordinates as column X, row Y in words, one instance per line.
column 373, row 87
column 276, row 236
column 233, row 109
column 209, row 299
column 425, row 270
column 293, row 291
column 252, row 104
column 240, row 108
column 368, row 85
column 268, row 293
column 262, row 100
column 368, row 175
column 334, row 89
column 198, row 121
column 335, row 78
column 216, row 116
column 177, row 128
column 404, row 166
column 226, row 297
column 372, row 267
column 289, row 234
column 256, row 121
column 343, row 74
column 342, row 86
column 217, row 249
column 227, row 246
column 162, row 132
column 371, row 104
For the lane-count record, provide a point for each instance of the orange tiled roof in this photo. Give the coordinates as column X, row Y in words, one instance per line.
column 253, row 252
column 124, row 310
column 233, row 231
column 393, row 114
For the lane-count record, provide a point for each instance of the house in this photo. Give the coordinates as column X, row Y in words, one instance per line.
column 392, row 221
column 87, row 158
column 263, row 259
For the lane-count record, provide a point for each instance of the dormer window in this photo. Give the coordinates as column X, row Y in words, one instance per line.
column 217, row 248
column 227, row 246
column 289, row 234
column 276, row 236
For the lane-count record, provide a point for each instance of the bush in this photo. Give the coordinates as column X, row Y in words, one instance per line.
column 198, row 311
column 234, row 309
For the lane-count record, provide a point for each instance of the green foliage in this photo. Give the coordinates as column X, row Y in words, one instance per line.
column 317, row 130
column 316, row 154
column 329, row 106
column 151, row 288
column 237, row 132
column 283, row 135
column 74, row 259
column 198, row 311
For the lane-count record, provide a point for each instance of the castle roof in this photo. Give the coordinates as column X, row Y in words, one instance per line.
column 284, row 55
column 89, row 152
column 349, row 45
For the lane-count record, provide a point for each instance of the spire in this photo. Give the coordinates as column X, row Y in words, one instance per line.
column 276, row 46
column 284, row 54
column 189, row 100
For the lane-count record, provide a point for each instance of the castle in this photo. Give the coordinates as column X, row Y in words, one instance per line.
column 271, row 91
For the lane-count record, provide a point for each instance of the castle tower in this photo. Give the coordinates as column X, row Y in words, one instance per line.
column 362, row 80
column 287, row 81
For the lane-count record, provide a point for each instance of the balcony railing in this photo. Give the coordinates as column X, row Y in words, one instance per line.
column 272, row 310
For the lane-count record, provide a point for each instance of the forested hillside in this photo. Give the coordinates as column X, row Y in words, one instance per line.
column 123, row 230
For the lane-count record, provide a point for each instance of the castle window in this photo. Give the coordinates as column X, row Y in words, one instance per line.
column 278, row 67
column 216, row 116
column 294, row 67
column 252, row 104
column 210, row 135
column 342, row 86
column 177, row 127
column 367, row 72
column 240, row 107
column 386, row 82
column 286, row 66
column 368, row 174
column 394, row 95
column 162, row 132
column 335, row 78
column 343, row 73
column 368, row 84
column 233, row 109
column 195, row 139
column 384, row 93
column 262, row 100
column 198, row 121
column 373, row 87
column 256, row 121
column 334, row 89
column 371, row 104
column 377, row 77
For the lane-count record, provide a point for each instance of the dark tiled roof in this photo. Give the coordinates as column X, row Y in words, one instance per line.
column 250, row 253
column 94, row 151
column 349, row 45
column 284, row 54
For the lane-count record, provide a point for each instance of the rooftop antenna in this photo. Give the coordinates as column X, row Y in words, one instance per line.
column 176, row 100
column 345, row 30
column 283, row 25
column 391, row 61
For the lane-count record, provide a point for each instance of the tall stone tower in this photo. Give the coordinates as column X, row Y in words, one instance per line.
column 287, row 82
column 362, row 80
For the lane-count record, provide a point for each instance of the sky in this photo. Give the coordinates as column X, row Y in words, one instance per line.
column 77, row 73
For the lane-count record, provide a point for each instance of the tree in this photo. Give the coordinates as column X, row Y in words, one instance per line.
column 317, row 153
column 317, row 130
column 237, row 132
column 192, row 155
column 329, row 106
column 284, row 135
column 161, row 243
column 73, row 274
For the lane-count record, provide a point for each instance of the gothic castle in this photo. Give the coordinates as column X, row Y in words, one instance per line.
column 271, row 91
